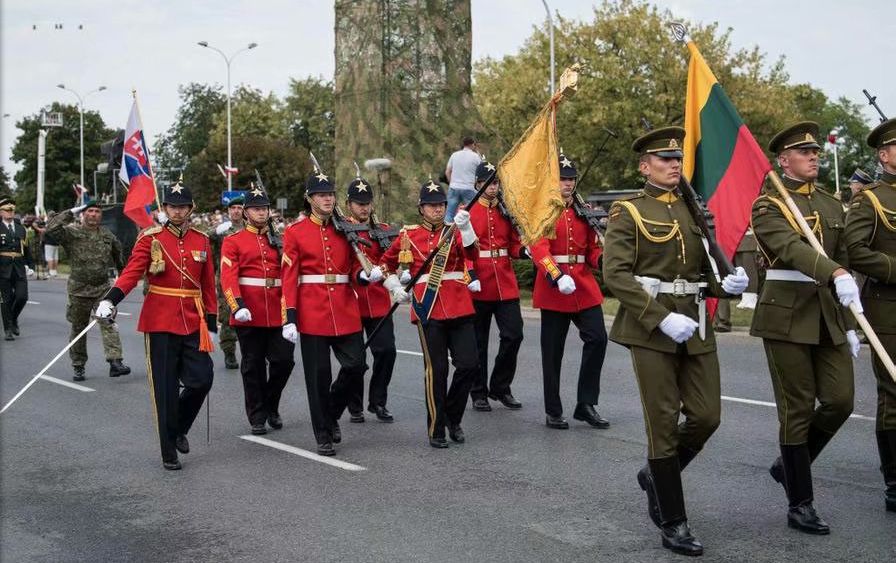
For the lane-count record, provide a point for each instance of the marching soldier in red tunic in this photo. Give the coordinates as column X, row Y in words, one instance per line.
column 178, row 317
column 441, row 309
column 250, row 281
column 322, row 310
column 374, row 304
column 566, row 291
column 498, row 295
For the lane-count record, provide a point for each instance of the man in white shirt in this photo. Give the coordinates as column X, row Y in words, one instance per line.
column 461, row 174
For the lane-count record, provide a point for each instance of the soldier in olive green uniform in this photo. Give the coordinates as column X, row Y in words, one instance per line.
column 806, row 332
column 93, row 251
column 871, row 240
column 656, row 265
column 226, row 333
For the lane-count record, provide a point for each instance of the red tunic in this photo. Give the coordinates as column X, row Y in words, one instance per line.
column 188, row 270
column 250, row 277
column 324, row 304
column 498, row 243
column 453, row 300
column 575, row 242
column 373, row 298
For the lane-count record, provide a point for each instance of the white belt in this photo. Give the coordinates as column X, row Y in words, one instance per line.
column 493, row 253
column 260, row 282
column 678, row 288
column 569, row 259
column 445, row 276
column 323, row 278
column 787, row 275
column 681, row 287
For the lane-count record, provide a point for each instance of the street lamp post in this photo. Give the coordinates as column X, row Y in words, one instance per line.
column 81, row 113
column 551, row 35
column 228, row 60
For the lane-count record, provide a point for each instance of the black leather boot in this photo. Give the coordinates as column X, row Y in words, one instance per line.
column 886, row 445
column 818, row 439
column 801, row 513
column 117, row 369
column 677, row 535
column 686, row 456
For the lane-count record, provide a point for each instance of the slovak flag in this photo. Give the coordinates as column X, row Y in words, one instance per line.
column 136, row 172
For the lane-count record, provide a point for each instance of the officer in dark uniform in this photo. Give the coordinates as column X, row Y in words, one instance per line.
column 15, row 266
column 871, row 239
column 802, row 320
column 656, row 265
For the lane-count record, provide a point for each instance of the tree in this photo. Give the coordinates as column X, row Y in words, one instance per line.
column 5, row 189
column 310, row 114
column 189, row 135
column 63, row 156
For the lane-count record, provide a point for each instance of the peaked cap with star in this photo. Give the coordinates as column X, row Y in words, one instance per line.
column 177, row 194
column 567, row 167
column 256, row 197
column 430, row 192
column 360, row 191
column 319, row 183
column 484, row 170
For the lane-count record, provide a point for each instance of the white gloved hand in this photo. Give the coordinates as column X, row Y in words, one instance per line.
column 748, row 300
column 462, row 221
column 847, row 291
column 474, row 286
column 222, row 228
column 396, row 289
column 162, row 217
column 736, row 283
column 854, row 344
column 405, row 276
column 28, row 271
column 77, row 209
column 678, row 327
column 376, row 275
column 105, row 309
column 566, row 284
column 243, row 315
column 290, row 333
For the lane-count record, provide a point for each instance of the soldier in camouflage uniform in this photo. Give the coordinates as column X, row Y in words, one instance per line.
column 93, row 251
column 226, row 333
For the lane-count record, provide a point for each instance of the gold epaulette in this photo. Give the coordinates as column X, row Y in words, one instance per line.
column 410, row 227
column 203, row 233
column 149, row 231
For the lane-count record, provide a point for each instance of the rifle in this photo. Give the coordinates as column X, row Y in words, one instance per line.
column 275, row 239
column 872, row 101
column 382, row 237
column 350, row 231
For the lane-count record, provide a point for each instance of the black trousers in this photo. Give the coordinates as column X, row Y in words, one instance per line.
column 327, row 399
column 266, row 365
column 510, row 337
column 13, row 297
column 173, row 360
column 446, row 405
column 554, row 327
column 382, row 347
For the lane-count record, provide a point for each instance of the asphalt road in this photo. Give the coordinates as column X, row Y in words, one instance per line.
column 82, row 478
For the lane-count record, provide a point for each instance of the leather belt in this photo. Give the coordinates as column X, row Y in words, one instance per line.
column 569, row 259
column 787, row 275
column 260, row 282
column 493, row 253
column 11, row 254
column 446, row 276
column 323, row 278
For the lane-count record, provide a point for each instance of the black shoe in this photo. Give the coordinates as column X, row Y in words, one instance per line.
column 557, row 422
column 382, row 413
column 587, row 413
column 275, row 421
column 456, row 433
column 481, row 405
column 79, row 372
column 805, row 519
column 182, row 444
column 440, row 443
column 15, row 329
column 9, row 335
column 336, row 433
column 677, row 537
column 117, row 369
column 356, row 417
column 722, row 328
column 645, row 480
column 326, row 448
column 230, row 360
column 259, row 429
column 507, row 400
column 172, row 465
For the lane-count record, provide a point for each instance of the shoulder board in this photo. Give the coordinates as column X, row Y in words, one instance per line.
column 872, row 186
column 826, row 193
column 410, row 227
column 203, row 233
column 149, row 231
column 629, row 197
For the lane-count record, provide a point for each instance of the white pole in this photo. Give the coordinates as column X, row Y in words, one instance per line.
column 836, row 169
column 41, row 172
column 551, row 35
column 81, row 112
column 229, row 149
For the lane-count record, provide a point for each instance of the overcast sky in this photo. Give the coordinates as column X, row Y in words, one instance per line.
column 151, row 46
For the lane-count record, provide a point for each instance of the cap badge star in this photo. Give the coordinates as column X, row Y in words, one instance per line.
column 566, row 163
column 432, row 187
column 362, row 187
column 490, row 167
column 321, row 177
column 177, row 188
column 257, row 192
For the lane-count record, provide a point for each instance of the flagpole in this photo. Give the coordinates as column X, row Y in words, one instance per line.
column 152, row 175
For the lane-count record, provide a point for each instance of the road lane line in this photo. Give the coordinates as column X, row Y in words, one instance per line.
column 410, row 353
column 33, row 302
column 69, row 384
column 303, row 453
column 124, row 314
column 768, row 404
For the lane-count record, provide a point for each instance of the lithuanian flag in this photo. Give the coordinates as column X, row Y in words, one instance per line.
column 721, row 158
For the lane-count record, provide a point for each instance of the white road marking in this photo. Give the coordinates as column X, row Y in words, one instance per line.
column 769, row 404
column 67, row 384
column 303, row 453
column 124, row 314
column 33, row 302
column 410, row 353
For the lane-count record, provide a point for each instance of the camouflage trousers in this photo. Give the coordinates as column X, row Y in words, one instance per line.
column 78, row 313
column 226, row 333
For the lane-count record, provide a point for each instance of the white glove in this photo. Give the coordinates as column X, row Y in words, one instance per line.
column 290, row 333
column 222, row 228
column 462, row 221
column 748, row 300
column 376, row 275
column 678, row 327
column 28, row 271
column 405, row 276
column 566, row 284
column 105, row 309
column 243, row 315
column 77, row 209
column 854, row 344
column 396, row 290
column 474, row 286
column 736, row 283
column 847, row 291
column 162, row 217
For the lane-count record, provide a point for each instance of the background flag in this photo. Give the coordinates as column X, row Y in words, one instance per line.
column 136, row 172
